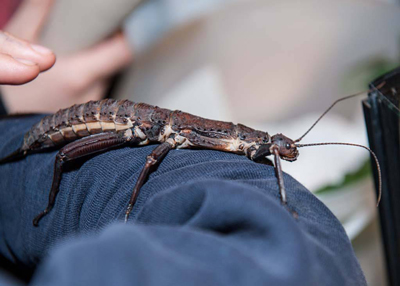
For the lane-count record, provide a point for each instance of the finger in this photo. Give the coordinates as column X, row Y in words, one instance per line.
column 28, row 20
column 17, row 71
column 17, row 48
column 103, row 60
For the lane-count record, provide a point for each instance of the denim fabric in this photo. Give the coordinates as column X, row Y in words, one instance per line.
column 203, row 218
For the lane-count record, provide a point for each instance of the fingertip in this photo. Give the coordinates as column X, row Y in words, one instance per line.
column 25, row 62
column 17, row 48
column 41, row 50
column 14, row 71
column 24, row 76
column 44, row 57
column 48, row 62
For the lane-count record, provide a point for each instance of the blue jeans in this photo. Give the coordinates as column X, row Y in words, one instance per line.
column 203, row 218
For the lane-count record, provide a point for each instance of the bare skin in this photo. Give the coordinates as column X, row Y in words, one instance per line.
column 20, row 61
column 75, row 78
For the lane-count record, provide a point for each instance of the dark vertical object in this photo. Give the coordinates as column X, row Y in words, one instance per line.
column 152, row 160
column 279, row 176
column 382, row 116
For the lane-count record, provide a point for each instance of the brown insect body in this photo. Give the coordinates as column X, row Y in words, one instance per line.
column 98, row 126
column 141, row 124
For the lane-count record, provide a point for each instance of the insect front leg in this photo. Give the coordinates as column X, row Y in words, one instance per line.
column 152, row 160
column 279, row 176
column 78, row 149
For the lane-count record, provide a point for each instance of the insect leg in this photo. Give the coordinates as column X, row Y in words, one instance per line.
column 77, row 149
column 279, row 176
column 14, row 156
column 153, row 159
column 54, row 188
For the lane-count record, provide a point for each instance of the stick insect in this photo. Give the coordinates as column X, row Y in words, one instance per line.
column 97, row 126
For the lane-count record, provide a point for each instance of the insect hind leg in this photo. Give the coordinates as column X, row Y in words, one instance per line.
column 78, row 149
column 14, row 156
column 59, row 162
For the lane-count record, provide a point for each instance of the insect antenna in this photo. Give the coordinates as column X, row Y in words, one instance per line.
column 356, row 145
column 333, row 104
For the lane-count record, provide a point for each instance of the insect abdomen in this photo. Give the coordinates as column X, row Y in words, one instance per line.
column 79, row 121
column 148, row 124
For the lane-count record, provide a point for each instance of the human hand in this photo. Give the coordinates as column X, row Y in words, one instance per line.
column 76, row 78
column 20, row 61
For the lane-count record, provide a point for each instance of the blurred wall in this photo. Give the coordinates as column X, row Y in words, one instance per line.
column 73, row 25
column 260, row 61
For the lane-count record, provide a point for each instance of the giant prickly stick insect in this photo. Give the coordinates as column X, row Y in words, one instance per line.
column 97, row 126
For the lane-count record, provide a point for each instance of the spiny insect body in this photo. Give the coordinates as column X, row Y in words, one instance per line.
column 141, row 124
column 97, row 126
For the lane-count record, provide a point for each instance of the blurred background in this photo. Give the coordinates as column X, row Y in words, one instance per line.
column 272, row 65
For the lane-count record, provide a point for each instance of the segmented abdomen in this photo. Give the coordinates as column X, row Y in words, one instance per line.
column 148, row 124
column 86, row 119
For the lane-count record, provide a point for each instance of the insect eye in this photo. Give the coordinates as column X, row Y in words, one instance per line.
column 287, row 146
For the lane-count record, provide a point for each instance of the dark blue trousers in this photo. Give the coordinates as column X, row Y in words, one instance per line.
column 203, row 218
